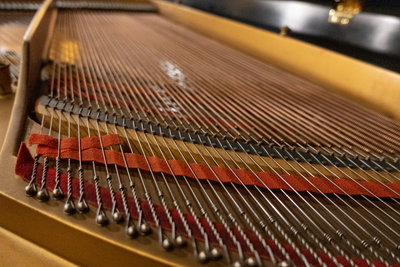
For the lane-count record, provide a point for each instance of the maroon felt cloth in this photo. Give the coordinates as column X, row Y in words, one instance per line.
column 24, row 169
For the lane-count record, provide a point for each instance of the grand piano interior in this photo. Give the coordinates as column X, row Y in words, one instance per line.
column 218, row 133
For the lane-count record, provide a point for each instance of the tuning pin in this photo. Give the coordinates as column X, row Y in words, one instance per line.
column 215, row 254
column 101, row 218
column 145, row 229
column 69, row 206
column 167, row 244
column 180, row 241
column 58, row 193
column 203, row 257
column 237, row 264
column 131, row 230
column 82, row 206
column 177, row 239
column 30, row 190
column 117, row 217
column 42, row 195
column 284, row 264
column 116, row 214
column 251, row 262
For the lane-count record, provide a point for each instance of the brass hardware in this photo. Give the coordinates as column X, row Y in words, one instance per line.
column 344, row 12
column 285, row 31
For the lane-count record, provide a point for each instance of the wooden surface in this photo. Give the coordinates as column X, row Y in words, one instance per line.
column 16, row 251
column 6, row 103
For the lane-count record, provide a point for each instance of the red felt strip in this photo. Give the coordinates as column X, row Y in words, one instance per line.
column 24, row 167
column 41, row 139
column 110, row 140
column 71, row 143
column 90, row 142
column 136, row 161
column 225, row 175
